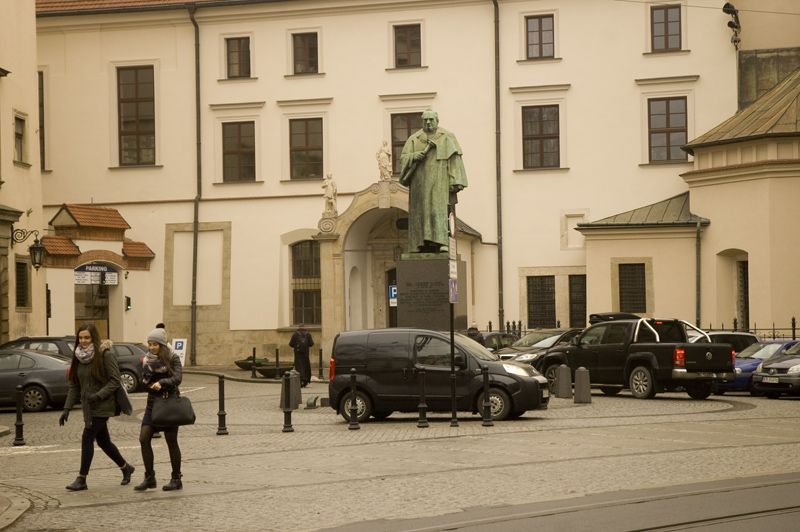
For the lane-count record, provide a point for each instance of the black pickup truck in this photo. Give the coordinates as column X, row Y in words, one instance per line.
column 646, row 356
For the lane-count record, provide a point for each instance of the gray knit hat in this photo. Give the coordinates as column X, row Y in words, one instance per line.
column 158, row 335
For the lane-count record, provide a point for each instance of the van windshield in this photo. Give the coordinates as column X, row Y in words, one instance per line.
column 474, row 348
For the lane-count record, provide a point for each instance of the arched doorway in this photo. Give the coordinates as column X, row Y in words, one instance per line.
column 94, row 282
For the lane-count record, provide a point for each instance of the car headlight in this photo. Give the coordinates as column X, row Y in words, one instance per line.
column 527, row 357
column 794, row 369
column 759, row 368
column 516, row 370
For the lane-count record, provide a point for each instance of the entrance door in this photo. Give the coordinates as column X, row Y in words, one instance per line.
column 92, row 283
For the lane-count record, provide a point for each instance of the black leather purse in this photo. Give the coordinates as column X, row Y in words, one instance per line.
column 172, row 410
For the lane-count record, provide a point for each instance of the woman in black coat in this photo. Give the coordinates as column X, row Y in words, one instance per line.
column 94, row 380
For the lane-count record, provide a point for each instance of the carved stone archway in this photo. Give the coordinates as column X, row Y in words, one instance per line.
column 332, row 237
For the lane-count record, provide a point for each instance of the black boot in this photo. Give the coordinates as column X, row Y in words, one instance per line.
column 149, row 482
column 78, row 485
column 127, row 471
column 174, row 484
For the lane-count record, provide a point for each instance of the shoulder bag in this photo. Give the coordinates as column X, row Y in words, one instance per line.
column 172, row 410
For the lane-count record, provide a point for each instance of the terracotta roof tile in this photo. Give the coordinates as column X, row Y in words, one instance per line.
column 60, row 245
column 91, row 216
column 70, row 7
column 137, row 250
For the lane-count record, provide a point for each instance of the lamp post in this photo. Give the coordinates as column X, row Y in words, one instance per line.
column 36, row 249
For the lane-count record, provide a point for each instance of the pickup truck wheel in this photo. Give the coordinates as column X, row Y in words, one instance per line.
column 611, row 391
column 500, row 404
column 550, row 374
column 699, row 390
column 363, row 406
column 641, row 382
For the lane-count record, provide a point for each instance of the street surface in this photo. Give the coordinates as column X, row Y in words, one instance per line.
column 610, row 464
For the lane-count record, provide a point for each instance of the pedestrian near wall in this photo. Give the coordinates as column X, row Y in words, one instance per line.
column 94, row 380
column 161, row 374
column 301, row 342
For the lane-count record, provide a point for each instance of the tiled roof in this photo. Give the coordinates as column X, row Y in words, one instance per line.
column 672, row 211
column 75, row 7
column 137, row 250
column 91, row 216
column 60, row 245
column 775, row 114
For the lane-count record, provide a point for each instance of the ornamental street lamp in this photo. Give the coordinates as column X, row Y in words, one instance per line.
column 36, row 249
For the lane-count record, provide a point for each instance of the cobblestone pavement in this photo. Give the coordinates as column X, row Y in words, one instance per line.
column 324, row 475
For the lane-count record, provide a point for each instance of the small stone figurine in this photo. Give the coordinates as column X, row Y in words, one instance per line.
column 330, row 194
column 384, row 157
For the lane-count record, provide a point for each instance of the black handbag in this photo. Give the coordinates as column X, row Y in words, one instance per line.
column 172, row 410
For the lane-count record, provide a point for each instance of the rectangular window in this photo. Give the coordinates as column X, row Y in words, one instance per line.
column 306, row 283
column 632, row 288
column 19, row 139
column 665, row 28
column 541, row 301
column 540, row 36
column 403, row 125
column 577, row 301
column 238, row 54
column 23, row 284
column 305, row 148
column 137, row 116
column 238, row 151
column 667, row 128
column 407, row 46
column 40, row 76
column 540, row 136
column 306, row 60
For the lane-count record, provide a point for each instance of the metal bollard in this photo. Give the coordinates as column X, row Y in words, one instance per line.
column 583, row 391
column 253, row 369
column 320, row 364
column 423, row 406
column 287, row 404
column 19, row 439
column 277, row 363
column 353, row 406
column 222, row 430
column 563, row 382
column 487, row 405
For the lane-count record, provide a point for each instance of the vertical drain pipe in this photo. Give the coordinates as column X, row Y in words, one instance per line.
column 196, row 218
column 498, row 175
column 697, row 285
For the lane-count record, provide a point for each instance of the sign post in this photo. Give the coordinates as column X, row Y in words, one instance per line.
column 179, row 346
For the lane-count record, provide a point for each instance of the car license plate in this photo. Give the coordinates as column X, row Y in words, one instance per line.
column 771, row 380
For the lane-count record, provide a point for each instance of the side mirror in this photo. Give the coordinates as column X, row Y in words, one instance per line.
column 574, row 340
column 460, row 361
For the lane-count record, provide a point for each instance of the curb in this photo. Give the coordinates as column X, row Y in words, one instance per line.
column 12, row 507
column 4, row 431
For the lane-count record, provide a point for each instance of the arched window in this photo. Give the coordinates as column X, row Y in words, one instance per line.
column 306, row 284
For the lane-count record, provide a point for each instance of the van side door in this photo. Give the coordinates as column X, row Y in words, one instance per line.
column 389, row 369
column 432, row 354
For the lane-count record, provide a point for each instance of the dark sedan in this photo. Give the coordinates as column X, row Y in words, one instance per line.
column 43, row 379
column 129, row 354
column 536, row 341
column 779, row 375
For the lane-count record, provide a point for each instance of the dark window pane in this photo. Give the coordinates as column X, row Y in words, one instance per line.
column 403, row 125
column 238, row 151
column 305, row 151
column 238, row 53
column 667, row 128
column 136, row 115
column 540, row 37
column 577, row 301
column 632, row 288
column 407, row 46
column 541, row 301
column 305, row 53
column 665, row 28
column 540, row 136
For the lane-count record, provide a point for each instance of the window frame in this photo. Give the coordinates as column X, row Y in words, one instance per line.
column 20, row 138
column 667, row 130
column 293, row 53
column 541, row 138
column 239, row 152
column 22, row 286
column 535, row 321
column 536, row 96
column 138, row 132
column 40, row 75
column 665, row 9
column 397, row 145
column 540, row 44
column 306, row 280
column 396, row 41
column 649, row 291
column 244, row 56
column 293, row 149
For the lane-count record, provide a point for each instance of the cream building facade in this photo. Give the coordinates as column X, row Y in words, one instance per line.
column 552, row 105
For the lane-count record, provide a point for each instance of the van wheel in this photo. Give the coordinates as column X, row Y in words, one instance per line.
column 500, row 404
column 363, row 406
column 699, row 390
column 641, row 382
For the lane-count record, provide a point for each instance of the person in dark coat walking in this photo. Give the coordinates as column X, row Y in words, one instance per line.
column 93, row 380
column 301, row 342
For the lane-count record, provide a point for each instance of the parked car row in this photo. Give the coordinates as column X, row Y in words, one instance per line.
column 40, row 363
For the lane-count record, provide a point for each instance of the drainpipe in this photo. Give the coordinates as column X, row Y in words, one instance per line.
column 697, row 275
column 498, row 181
column 196, row 218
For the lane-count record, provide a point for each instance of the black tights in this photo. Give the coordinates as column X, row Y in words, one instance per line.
column 171, row 435
column 98, row 431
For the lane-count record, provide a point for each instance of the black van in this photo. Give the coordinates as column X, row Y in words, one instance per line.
column 387, row 364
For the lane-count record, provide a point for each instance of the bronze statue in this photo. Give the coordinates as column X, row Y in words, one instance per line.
column 432, row 168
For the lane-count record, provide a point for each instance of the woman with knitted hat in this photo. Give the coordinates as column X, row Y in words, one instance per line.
column 161, row 373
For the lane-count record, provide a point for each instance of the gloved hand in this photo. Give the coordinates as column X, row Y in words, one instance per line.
column 93, row 398
column 64, row 417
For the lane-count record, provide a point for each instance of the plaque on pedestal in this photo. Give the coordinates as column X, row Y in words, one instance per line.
column 423, row 293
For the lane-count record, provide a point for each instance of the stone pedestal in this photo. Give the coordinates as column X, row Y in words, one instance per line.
column 423, row 296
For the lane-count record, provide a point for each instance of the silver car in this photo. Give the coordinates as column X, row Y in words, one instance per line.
column 43, row 379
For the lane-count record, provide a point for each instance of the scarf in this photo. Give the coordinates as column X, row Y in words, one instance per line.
column 152, row 365
column 84, row 356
